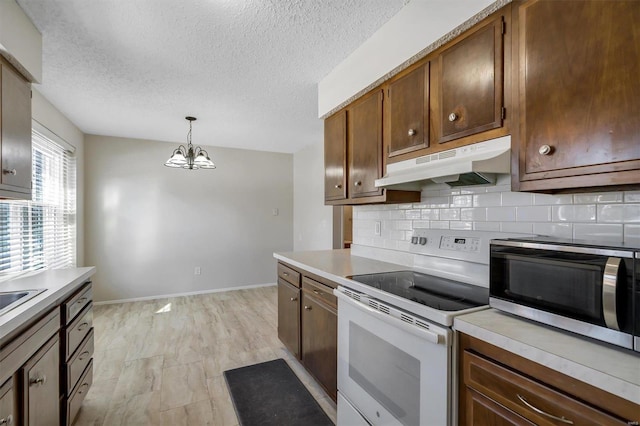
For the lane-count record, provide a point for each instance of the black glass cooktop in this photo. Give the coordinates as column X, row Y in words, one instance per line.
column 438, row 293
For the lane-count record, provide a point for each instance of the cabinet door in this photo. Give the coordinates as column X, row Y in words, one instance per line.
column 365, row 146
column 289, row 316
column 320, row 342
column 8, row 412
column 335, row 156
column 408, row 112
column 579, row 63
column 471, row 83
column 41, row 386
column 15, row 129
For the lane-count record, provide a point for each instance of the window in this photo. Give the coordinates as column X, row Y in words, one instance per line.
column 41, row 233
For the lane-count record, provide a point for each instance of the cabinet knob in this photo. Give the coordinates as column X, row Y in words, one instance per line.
column 7, row 420
column 453, row 117
column 411, row 132
column 545, row 150
column 358, row 183
column 293, row 299
column 12, row 172
column 338, row 186
column 307, row 308
column 38, row 380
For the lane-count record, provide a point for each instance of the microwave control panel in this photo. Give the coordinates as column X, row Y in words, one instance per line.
column 465, row 244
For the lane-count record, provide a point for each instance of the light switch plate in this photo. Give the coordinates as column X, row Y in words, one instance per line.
column 378, row 229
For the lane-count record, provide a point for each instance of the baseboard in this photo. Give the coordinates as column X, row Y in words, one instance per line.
column 191, row 293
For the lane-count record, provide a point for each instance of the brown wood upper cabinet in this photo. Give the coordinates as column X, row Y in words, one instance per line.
column 365, row 145
column 470, row 75
column 353, row 155
column 15, row 134
column 577, row 72
column 407, row 109
column 335, row 156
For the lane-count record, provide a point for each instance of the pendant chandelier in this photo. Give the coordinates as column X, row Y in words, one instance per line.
column 190, row 158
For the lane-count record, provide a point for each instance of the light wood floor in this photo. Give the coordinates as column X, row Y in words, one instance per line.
column 160, row 362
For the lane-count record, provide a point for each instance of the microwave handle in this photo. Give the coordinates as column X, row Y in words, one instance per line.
column 609, row 292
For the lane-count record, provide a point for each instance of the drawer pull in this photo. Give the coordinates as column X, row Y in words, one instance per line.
column 83, row 355
column 286, row 274
column 82, row 300
column 7, row 420
column 307, row 308
column 11, row 172
column 316, row 292
column 83, row 326
column 539, row 411
column 38, row 380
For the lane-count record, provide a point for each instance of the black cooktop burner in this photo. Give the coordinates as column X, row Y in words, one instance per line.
column 438, row 293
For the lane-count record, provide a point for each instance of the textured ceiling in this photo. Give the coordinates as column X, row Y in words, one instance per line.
column 247, row 69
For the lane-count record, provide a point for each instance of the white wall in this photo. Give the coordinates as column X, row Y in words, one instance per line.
column 148, row 226
column 416, row 26
column 600, row 216
column 20, row 40
column 49, row 116
column 312, row 220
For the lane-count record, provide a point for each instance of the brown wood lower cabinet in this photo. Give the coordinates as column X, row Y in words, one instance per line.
column 289, row 316
column 41, row 385
column 7, row 404
column 319, row 342
column 308, row 323
column 500, row 388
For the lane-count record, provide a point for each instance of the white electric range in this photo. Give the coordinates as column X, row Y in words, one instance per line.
column 396, row 354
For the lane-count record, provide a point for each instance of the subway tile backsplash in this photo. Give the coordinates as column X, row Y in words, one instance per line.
column 606, row 216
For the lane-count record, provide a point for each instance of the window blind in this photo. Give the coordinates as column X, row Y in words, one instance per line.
column 41, row 233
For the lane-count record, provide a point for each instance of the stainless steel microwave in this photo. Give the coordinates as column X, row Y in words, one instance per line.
column 586, row 288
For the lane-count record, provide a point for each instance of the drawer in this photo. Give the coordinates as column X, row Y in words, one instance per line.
column 77, row 330
column 290, row 275
column 79, row 361
column 76, row 303
column 75, row 401
column 320, row 291
column 527, row 397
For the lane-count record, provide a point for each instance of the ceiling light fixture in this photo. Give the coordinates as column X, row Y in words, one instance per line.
column 190, row 158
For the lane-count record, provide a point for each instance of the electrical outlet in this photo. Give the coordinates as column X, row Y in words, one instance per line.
column 378, row 229
column 275, row 212
column 197, row 271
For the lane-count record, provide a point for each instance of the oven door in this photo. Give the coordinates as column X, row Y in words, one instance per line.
column 583, row 290
column 393, row 372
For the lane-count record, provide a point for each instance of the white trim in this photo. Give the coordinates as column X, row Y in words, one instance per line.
column 41, row 128
column 192, row 293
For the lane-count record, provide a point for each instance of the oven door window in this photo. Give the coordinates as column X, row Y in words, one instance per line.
column 386, row 373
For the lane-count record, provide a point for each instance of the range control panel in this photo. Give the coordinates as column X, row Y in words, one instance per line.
column 466, row 244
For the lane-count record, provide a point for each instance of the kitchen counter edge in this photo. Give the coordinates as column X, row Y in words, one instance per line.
column 336, row 265
column 558, row 350
column 59, row 284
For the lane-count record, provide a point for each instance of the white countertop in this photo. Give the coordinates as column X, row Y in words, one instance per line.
column 335, row 265
column 59, row 284
column 616, row 371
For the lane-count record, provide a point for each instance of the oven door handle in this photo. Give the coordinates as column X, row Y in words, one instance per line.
column 395, row 322
column 610, row 292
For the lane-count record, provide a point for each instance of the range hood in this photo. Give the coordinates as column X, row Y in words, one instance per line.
column 475, row 164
